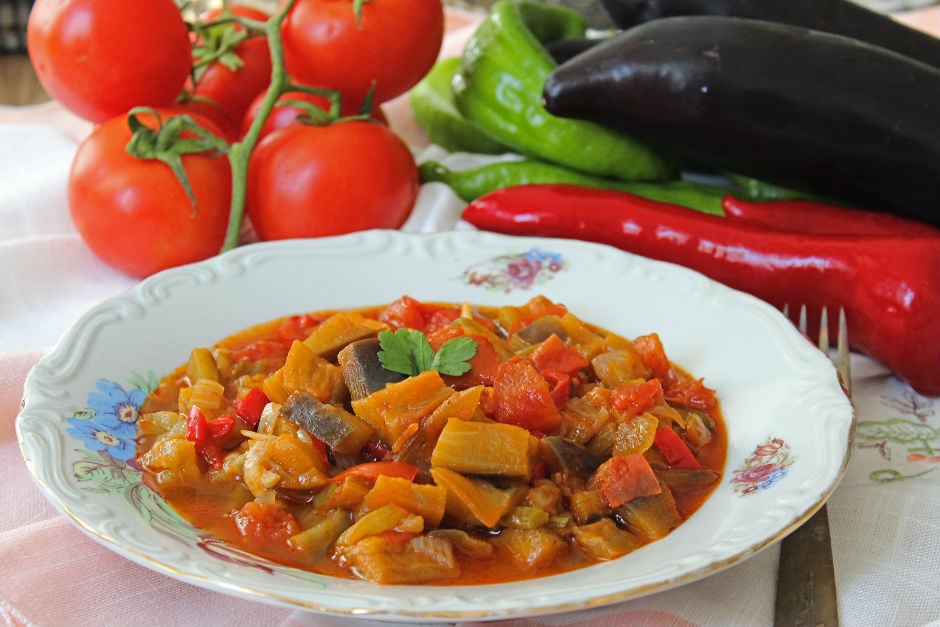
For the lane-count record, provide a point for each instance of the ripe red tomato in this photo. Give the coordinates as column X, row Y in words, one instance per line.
column 310, row 181
column 232, row 90
column 395, row 44
column 134, row 214
column 286, row 115
column 100, row 58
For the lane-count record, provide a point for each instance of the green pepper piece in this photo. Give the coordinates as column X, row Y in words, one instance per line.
column 437, row 115
column 499, row 87
column 472, row 183
column 758, row 190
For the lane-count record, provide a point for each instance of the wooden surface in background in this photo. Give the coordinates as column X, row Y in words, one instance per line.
column 18, row 82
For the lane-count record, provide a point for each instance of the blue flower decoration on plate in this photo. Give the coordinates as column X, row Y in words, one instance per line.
column 110, row 423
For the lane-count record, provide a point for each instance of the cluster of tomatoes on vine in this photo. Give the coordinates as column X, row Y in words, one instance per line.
column 199, row 120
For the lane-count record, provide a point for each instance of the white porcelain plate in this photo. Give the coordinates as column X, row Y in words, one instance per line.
column 789, row 423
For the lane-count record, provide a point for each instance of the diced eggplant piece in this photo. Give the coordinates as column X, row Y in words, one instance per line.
column 504, row 348
column 386, row 561
column 619, row 367
column 329, row 337
column 318, row 538
column 586, row 507
column 305, row 371
column 563, row 455
column 541, row 329
column 484, row 448
column 426, row 500
column 202, row 365
column 680, row 479
column 362, row 370
column 584, row 416
column 651, row 517
column 463, row 542
column 526, row 517
column 398, row 409
column 532, row 548
column 342, row 431
column 417, row 449
column 474, row 501
column 545, row 494
column 604, row 540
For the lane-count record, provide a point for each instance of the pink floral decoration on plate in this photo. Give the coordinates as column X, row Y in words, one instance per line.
column 521, row 271
column 768, row 464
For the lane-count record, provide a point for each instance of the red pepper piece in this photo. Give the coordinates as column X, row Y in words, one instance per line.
column 197, row 427
column 676, row 452
column 371, row 471
column 809, row 216
column 206, row 434
column 559, row 384
column 250, row 406
column 889, row 285
column 296, row 328
column 221, row 426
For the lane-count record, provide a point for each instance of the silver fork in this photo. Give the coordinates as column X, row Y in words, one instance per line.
column 806, row 583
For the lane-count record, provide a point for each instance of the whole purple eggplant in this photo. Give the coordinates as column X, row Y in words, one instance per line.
column 788, row 105
column 842, row 17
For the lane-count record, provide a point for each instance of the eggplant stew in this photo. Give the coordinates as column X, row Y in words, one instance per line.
column 433, row 443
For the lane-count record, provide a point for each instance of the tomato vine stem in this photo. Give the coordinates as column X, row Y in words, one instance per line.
column 239, row 154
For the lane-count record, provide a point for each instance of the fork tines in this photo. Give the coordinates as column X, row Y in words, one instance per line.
column 841, row 359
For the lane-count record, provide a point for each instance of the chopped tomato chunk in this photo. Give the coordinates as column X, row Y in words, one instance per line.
column 406, row 312
column 523, row 398
column 692, row 393
column 621, row 479
column 554, row 354
column 635, row 398
column 265, row 523
column 482, row 365
column 650, row 349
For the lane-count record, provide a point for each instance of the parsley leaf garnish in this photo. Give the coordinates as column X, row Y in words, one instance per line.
column 408, row 351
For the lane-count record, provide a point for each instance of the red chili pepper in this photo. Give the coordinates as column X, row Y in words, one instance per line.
column 810, row 216
column 889, row 285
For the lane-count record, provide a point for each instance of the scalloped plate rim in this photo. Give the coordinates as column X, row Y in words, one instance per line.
column 440, row 247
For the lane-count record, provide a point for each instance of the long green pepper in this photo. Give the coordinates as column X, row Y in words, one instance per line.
column 472, row 183
column 498, row 87
column 435, row 112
